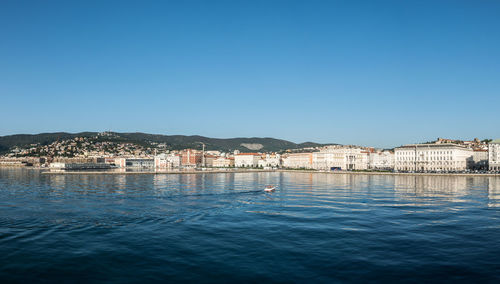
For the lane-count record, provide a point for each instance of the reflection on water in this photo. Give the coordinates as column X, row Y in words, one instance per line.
column 316, row 227
column 493, row 185
column 431, row 186
column 403, row 187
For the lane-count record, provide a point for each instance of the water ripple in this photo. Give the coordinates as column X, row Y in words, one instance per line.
column 224, row 228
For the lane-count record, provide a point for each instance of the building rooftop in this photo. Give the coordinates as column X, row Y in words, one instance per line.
column 434, row 145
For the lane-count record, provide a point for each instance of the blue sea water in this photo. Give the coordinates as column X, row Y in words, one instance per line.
column 201, row 228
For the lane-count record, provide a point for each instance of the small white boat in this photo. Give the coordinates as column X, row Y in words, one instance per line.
column 269, row 188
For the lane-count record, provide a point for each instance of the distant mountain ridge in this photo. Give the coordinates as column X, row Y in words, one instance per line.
column 174, row 142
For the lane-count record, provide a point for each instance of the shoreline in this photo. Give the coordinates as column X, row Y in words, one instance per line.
column 395, row 174
column 47, row 172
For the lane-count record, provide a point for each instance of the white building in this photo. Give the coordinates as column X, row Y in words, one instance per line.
column 433, row 157
column 298, row 161
column 480, row 159
column 57, row 166
column 494, row 155
column 164, row 161
column 381, row 160
column 119, row 162
column 270, row 161
column 343, row 158
column 140, row 163
column 247, row 160
column 222, row 162
column 324, row 160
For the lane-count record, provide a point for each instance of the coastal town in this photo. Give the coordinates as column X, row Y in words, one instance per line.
column 96, row 153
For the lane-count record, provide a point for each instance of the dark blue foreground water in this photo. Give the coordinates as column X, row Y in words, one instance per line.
column 219, row 228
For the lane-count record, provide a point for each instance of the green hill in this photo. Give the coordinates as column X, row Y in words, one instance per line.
column 174, row 142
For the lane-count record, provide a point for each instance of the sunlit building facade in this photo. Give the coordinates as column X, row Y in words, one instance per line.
column 433, row 157
column 494, row 155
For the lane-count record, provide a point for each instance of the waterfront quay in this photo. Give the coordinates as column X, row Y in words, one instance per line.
column 218, row 171
column 152, row 172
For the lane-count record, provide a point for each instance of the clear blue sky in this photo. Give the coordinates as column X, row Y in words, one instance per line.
column 380, row 73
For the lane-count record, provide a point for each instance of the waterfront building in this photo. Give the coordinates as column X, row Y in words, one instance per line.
column 174, row 160
column 325, row 160
column 247, row 159
column 298, row 161
column 57, row 166
column 209, row 160
column 494, row 155
column 342, row 158
column 11, row 162
column 139, row 163
column 480, row 159
column 191, row 157
column 433, row 157
column 109, row 160
column 160, row 161
column 223, row 162
column 78, row 166
column 21, row 162
column 270, row 161
column 164, row 161
column 356, row 159
column 74, row 160
column 381, row 160
column 120, row 162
